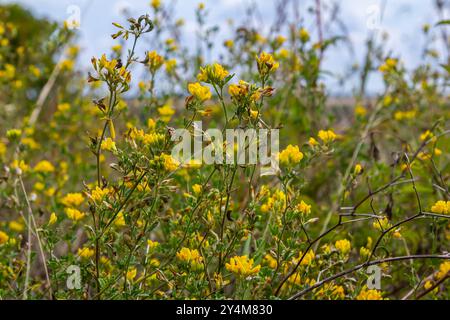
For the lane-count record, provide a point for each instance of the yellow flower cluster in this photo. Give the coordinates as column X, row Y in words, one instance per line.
column 214, row 73
column 155, row 61
column 74, row 214
column 381, row 224
column 331, row 290
column 153, row 138
column 110, row 71
column 85, row 253
column 270, row 261
column 238, row 90
column 444, row 270
column 191, row 257
column 131, row 274
column 266, row 63
column 276, row 200
column 44, row 167
column 152, row 245
column 327, row 136
column 307, row 260
column 369, row 294
column 98, row 194
column 242, row 266
column 405, row 115
column 304, row 35
column 72, row 200
column 120, row 220
column 3, row 238
column 290, row 156
column 53, row 219
column 441, row 207
column 389, row 65
column 303, row 208
column 166, row 112
column 109, row 145
column 197, row 189
column 344, row 246
column 168, row 162
column 358, row 169
column 201, row 93
column 171, row 65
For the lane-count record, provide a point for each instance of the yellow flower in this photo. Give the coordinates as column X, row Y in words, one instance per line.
column 381, row 224
column 67, row 65
column 120, row 220
column 197, row 189
column 166, row 112
column 428, row 285
column 21, row 165
column 63, row 107
column 313, row 142
column 171, row 64
column 169, row 163
column 236, row 90
column 437, row 152
column 16, row 226
column 30, row 142
column 266, row 63
column 307, row 260
column 191, row 257
column 441, row 207
column 44, row 167
column 74, row 214
column 13, row 134
column 3, row 238
column 444, row 270
column 98, row 193
column 214, row 73
column 151, row 124
column 389, row 65
column 270, row 261
column 53, row 219
column 364, row 252
column 202, row 93
column 366, row 294
column 397, row 234
column 72, row 200
column 280, row 40
column 153, row 138
column 155, row 61
column 254, row 114
column 358, row 169
column 401, row 115
column 327, row 136
column 131, row 274
column 303, row 208
column 156, row 4
column 344, row 246
column 360, row 110
column 109, row 145
column 304, row 35
column 290, row 156
column 229, row 44
column 85, row 252
column 242, row 266
column 426, row 135
column 152, row 245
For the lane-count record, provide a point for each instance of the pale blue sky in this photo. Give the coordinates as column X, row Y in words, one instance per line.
column 402, row 20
